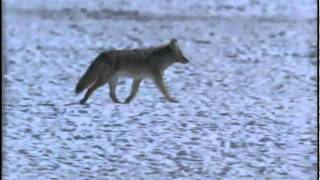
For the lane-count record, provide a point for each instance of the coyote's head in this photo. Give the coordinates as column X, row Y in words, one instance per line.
column 177, row 53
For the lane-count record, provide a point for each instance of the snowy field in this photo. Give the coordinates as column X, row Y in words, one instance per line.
column 247, row 99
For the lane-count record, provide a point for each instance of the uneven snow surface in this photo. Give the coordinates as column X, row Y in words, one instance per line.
column 247, row 99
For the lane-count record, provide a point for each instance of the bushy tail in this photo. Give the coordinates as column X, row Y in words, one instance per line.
column 91, row 74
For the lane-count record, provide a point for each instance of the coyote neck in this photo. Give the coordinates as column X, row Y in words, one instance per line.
column 162, row 57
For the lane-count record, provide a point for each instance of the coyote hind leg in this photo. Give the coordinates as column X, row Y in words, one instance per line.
column 100, row 82
column 134, row 90
column 112, row 90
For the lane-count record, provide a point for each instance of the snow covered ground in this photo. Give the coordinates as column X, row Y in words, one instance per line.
column 247, row 99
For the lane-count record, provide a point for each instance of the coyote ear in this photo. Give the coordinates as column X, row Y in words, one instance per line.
column 172, row 43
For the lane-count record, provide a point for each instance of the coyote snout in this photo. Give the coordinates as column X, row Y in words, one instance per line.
column 184, row 60
column 136, row 64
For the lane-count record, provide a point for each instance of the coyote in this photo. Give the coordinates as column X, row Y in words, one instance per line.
column 138, row 64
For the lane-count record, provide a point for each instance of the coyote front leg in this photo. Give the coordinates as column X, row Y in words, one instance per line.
column 157, row 77
column 134, row 90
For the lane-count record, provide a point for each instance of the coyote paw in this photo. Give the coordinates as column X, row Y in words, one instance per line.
column 82, row 101
column 173, row 100
column 127, row 101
